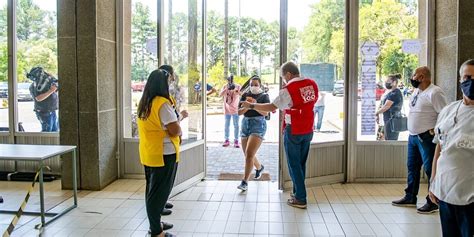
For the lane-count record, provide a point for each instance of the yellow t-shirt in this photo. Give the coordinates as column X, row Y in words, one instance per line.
column 151, row 136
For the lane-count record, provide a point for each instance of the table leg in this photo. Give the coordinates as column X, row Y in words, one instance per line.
column 74, row 176
column 41, row 191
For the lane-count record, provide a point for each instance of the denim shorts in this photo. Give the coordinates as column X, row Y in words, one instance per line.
column 256, row 126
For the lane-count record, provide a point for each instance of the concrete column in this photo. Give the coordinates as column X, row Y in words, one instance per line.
column 454, row 42
column 88, row 96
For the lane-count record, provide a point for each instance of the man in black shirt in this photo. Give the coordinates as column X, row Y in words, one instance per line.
column 44, row 91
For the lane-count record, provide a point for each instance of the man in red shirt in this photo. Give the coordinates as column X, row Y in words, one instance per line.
column 297, row 100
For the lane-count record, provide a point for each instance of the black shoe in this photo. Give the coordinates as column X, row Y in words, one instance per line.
column 1, row 199
column 296, row 203
column 427, row 208
column 243, row 186
column 404, row 202
column 166, row 212
column 166, row 225
column 169, row 205
column 258, row 173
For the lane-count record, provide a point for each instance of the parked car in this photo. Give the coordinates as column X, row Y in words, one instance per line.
column 138, row 86
column 338, row 88
column 3, row 90
column 23, row 93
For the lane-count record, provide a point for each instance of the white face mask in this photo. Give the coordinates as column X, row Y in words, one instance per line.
column 255, row 89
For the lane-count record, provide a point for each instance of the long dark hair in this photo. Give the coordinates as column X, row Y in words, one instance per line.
column 156, row 85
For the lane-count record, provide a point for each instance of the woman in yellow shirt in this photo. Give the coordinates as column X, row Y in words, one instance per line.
column 160, row 137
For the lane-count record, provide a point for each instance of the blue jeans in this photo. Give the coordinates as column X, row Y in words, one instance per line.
column 256, row 126
column 235, row 118
column 320, row 111
column 456, row 220
column 48, row 120
column 297, row 150
column 420, row 153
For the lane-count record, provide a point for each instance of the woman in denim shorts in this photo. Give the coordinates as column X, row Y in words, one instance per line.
column 254, row 127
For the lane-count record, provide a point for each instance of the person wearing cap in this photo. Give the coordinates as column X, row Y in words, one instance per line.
column 452, row 176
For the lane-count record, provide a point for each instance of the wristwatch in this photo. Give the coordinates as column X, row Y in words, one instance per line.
column 252, row 106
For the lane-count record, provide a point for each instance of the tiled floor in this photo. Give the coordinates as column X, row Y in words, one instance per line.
column 231, row 160
column 216, row 208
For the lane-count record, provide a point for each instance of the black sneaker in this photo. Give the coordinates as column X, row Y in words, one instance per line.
column 169, row 205
column 1, row 199
column 427, row 208
column 404, row 202
column 258, row 173
column 166, row 212
column 243, row 186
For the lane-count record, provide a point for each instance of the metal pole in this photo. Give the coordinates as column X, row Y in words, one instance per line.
column 41, row 191
column 238, row 52
column 74, row 176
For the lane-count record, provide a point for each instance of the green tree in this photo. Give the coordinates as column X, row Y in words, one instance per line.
column 143, row 29
column 327, row 16
column 32, row 21
column 387, row 22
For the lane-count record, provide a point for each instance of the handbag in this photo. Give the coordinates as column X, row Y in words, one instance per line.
column 399, row 121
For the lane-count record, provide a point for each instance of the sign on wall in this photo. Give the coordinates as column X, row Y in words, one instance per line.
column 369, row 52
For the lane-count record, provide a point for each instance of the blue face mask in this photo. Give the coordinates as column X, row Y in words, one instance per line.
column 467, row 88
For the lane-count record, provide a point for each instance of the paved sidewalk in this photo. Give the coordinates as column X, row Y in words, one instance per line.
column 231, row 160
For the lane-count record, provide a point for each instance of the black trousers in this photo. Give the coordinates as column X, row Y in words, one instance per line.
column 159, row 182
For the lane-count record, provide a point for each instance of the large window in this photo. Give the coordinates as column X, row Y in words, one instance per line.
column 389, row 47
column 36, row 47
column 183, row 50
column 144, row 52
column 4, row 116
column 316, row 33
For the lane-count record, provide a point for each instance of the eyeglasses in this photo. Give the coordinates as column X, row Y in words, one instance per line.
column 415, row 98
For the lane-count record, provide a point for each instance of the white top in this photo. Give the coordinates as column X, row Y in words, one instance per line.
column 167, row 116
column 32, row 152
column 454, row 179
column 422, row 117
column 283, row 100
column 321, row 99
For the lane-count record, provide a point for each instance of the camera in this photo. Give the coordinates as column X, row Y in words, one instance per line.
column 230, row 84
column 42, row 80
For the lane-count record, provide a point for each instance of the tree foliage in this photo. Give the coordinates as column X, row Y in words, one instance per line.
column 37, row 40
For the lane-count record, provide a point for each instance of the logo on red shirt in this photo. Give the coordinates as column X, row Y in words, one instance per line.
column 307, row 93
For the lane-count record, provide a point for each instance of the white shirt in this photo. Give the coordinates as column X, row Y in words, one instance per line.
column 321, row 99
column 283, row 100
column 167, row 116
column 422, row 117
column 454, row 179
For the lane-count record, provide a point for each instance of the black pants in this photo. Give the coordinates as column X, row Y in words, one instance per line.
column 456, row 220
column 159, row 182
